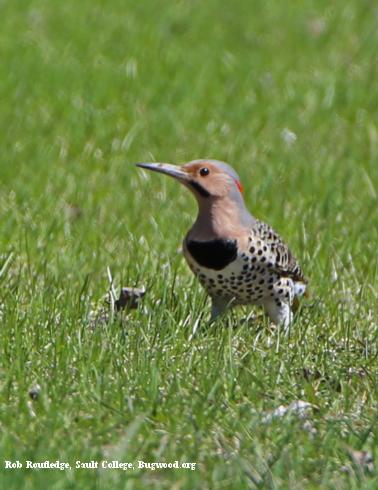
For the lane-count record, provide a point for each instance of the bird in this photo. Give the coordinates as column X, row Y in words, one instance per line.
column 238, row 259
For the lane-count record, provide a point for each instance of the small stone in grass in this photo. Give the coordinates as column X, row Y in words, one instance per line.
column 34, row 392
column 298, row 408
column 73, row 212
column 362, row 459
column 129, row 298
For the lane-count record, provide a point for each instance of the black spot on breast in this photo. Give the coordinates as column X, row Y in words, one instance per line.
column 214, row 254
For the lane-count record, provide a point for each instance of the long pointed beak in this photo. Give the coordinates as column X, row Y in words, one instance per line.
column 166, row 168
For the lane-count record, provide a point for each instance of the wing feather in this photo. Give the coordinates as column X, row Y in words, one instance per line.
column 280, row 258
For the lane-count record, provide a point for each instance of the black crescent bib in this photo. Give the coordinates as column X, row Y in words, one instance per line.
column 214, row 254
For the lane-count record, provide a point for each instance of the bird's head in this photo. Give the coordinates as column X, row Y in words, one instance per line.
column 208, row 180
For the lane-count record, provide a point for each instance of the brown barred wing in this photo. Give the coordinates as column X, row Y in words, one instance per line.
column 281, row 260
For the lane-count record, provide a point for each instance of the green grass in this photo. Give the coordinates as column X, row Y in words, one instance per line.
column 87, row 88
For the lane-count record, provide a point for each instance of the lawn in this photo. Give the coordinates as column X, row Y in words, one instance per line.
column 287, row 93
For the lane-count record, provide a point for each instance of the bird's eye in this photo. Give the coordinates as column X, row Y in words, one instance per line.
column 204, row 171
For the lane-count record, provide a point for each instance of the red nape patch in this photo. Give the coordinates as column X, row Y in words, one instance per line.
column 240, row 187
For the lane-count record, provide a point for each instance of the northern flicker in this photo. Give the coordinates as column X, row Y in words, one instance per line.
column 238, row 259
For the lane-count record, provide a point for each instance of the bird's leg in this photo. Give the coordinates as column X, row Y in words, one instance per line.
column 217, row 308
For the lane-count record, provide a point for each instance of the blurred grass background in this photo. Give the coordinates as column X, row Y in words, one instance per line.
column 287, row 94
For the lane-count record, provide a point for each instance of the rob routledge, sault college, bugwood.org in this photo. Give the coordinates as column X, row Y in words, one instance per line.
column 59, row 465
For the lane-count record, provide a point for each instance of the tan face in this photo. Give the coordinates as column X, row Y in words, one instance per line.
column 203, row 178
column 207, row 177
